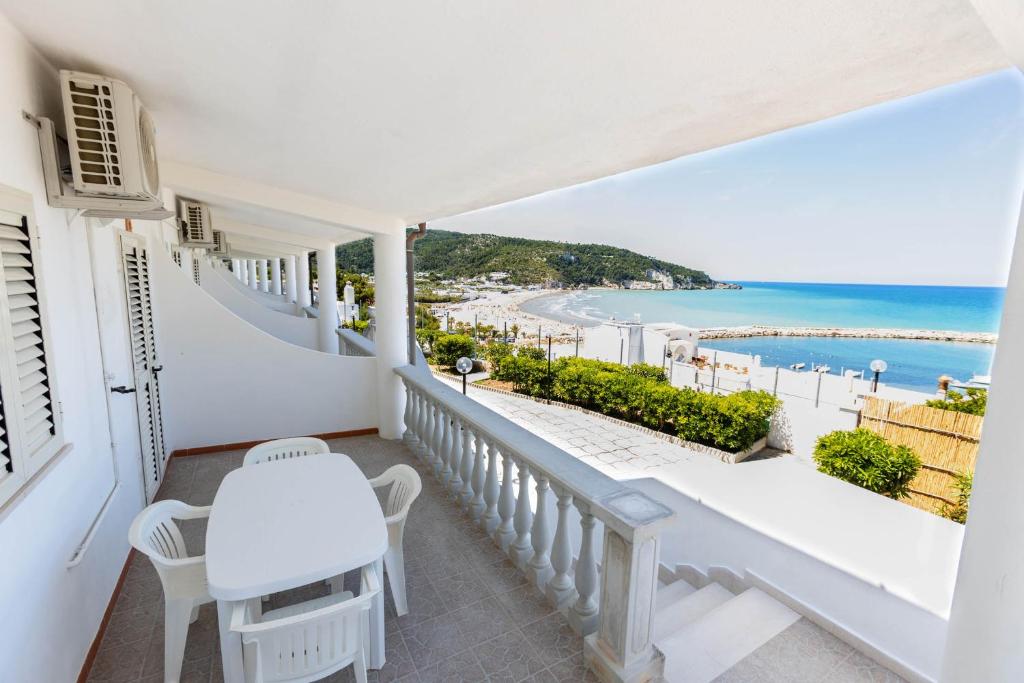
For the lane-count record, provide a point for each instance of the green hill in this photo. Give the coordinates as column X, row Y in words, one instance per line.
column 451, row 255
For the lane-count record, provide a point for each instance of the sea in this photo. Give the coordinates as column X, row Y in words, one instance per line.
column 914, row 365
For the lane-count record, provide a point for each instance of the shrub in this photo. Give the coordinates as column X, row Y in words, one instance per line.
column 974, row 403
column 448, row 348
column 533, row 352
column 576, row 381
column 648, row 372
column 527, row 375
column 963, row 483
column 864, row 458
column 495, row 353
column 661, row 405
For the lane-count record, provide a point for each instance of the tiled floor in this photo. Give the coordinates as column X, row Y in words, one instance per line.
column 471, row 615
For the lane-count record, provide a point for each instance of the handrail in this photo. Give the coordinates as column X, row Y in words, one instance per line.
column 622, row 508
column 355, row 343
column 312, row 311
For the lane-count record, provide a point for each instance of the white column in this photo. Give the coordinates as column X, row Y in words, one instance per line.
column 275, row 276
column 390, row 335
column 327, row 281
column 983, row 642
column 236, row 268
column 289, row 279
column 261, row 266
column 253, row 282
column 302, row 280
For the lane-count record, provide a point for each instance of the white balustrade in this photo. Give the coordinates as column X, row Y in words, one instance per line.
column 480, row 457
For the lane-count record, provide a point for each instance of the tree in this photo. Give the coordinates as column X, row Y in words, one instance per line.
column 514, row 330
column 448, row 348
column 974, row 403
column 864, row 458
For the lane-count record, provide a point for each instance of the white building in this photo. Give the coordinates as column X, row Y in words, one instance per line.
column 299, row 128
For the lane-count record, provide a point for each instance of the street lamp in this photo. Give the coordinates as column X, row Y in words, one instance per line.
column 464, row 365
column 878, row 366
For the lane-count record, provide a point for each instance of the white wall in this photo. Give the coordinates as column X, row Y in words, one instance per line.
column 286, row 327
column 56, row 610
column 264, row 299
column 879, row 568
column 224, row 381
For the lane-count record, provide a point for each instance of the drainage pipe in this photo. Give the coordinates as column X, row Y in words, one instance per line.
column 410, row 283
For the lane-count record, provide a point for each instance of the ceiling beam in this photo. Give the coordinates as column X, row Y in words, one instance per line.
column 297, row 239
column 209, row 186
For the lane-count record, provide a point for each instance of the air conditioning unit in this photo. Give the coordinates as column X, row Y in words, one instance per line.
column 107, row 165
column 196, row 227
column 220, row 244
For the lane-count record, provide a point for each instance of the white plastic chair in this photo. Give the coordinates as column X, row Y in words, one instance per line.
column 310, row 640
column 281, row 449
column 155, row 534
column 405, row 487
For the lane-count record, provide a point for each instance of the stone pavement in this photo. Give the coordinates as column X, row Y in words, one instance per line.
column 617, row 450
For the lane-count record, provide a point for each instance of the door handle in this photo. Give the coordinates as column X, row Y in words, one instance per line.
column 122, row 390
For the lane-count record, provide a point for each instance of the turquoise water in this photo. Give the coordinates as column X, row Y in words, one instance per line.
column 912, row 364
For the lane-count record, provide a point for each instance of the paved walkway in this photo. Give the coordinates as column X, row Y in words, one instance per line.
column 617, row 450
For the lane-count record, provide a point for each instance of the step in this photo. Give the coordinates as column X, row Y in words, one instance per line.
column 706, row 648
column 677, row 606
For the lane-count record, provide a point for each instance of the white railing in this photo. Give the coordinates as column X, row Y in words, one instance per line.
column 351, row 343
column 487, row 464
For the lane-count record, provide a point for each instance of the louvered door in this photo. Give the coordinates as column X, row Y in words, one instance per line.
column 29, row 417
column 145, row 362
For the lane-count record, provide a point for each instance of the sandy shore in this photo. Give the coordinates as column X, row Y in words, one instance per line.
column 499, row 308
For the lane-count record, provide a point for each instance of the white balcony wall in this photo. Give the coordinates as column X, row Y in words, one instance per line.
column 285, row 326
column 268, row 300
column 878, row 568
column 224, row 381
column 41, row 529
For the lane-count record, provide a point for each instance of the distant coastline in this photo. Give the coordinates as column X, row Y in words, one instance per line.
column 848, row 332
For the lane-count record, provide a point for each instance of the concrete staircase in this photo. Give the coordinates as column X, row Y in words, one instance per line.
column 705, row 631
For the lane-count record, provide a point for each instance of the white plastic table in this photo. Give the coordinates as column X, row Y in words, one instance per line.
column 283, row 524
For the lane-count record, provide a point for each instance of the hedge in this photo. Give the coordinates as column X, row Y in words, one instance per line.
column 642, row 394
column 448, row 348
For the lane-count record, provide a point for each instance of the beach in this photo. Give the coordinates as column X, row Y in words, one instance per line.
column 504, row 308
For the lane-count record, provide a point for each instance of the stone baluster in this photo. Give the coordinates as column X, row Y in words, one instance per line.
column 489, row 520
column 465, row 496
column 407, row 417
column 421, row 425
column 449, row 444
column 505, row 531
column 465, row 451
column 539, row 569
column 476, row 505
column 444, row 446
column 560, row 590
column 426, row 429
column 435, row 437
column 583, row 614
column 521, row 550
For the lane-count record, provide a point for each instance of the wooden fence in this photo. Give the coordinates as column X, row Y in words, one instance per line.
column 946, row 442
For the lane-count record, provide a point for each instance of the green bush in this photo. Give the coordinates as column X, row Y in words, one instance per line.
column 448, row 348
column 527, row 375
column 495, row 353
column 534, row 352
column 648, row 372
column 974, row 403
column 864, row 458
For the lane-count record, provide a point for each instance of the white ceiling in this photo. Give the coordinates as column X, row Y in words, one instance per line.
column 419, row 110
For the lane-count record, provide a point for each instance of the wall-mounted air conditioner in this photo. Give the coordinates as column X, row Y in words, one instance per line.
column 195, row 224
column 220, row 244
column 107, row 165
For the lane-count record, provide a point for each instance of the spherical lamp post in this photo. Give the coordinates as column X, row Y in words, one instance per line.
column 464, row 365
column 877, row 366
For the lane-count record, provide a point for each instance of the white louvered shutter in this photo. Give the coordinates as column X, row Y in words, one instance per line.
column 30, row 427
column 144, row 360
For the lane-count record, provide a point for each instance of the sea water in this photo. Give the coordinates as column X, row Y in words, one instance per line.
column 912, row 364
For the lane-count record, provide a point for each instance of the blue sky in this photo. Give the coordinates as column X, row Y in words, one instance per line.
column 923, row 190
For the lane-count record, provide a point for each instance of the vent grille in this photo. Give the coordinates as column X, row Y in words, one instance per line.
column 95, row 133
column 195, row 269
column 194, row 223
column 26, row 326
column 176, row 255
column 220, row 246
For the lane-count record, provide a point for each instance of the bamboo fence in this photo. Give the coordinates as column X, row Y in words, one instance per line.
column 946, row 442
